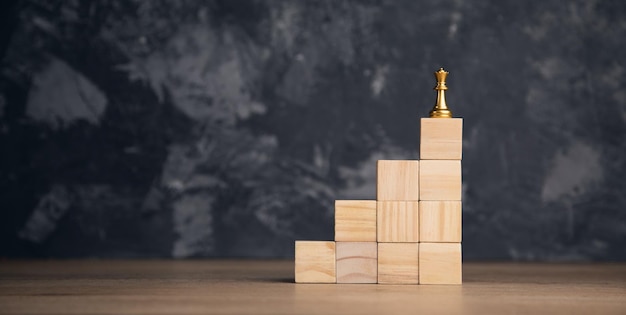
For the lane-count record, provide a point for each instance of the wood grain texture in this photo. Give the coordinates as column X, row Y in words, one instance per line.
column 315, row 262
column 440, row 263
column 398, row 221
column 441, row 138
column 440, row 180
column 398, row 263
column 355, row 220
column 357, row 262
column 123, row 287
column 397, row 180
column 440, row 221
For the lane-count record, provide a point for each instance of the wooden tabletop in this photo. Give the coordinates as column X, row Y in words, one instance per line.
column 267, row 287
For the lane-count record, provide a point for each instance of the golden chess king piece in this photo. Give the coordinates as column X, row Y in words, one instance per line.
column 441, row 109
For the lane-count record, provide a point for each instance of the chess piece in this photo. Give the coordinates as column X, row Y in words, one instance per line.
column 441, row 108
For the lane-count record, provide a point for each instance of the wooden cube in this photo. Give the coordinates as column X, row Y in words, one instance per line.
column 398, row 263
column 440, row 180
column 440, row 221
column 315, row 262
column 357, row 262
column 440, row 263
column 397, row 180
column 355, row 220
column 398, row 221
column 441, row 139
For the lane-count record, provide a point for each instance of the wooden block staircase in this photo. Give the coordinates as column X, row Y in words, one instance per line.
column 411, row 233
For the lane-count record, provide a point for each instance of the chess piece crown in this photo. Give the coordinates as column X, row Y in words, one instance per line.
column 441, row 108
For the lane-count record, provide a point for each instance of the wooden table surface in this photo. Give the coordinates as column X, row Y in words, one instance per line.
column 266, row 287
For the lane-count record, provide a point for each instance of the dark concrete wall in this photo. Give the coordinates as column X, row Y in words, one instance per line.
column 228, row 128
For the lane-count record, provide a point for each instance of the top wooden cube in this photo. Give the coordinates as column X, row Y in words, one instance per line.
column 441, row 139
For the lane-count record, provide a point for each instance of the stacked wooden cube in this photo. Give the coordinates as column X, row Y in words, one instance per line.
column 411, row 233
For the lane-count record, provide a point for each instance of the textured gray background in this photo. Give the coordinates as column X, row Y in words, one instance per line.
column 227, row 128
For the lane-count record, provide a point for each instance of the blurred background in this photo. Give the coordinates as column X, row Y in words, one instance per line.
column 132, row 129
